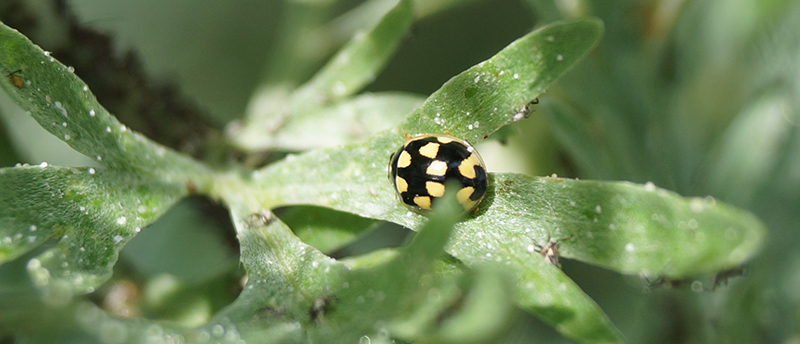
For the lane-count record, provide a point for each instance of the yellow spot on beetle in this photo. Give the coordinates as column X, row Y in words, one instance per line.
column 423, row 202
column 404, row 160
column 435, row 189
column 437, row 168
column 467, row 167
column 402, row 185
column 429, row 150
column 463, row 197
column 444, row 139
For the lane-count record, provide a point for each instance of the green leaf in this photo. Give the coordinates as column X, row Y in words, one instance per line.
column 64, row 106
column 91, row 214
column 344, row 122
column 290, row 282
column 295, row 294
column 493, row 93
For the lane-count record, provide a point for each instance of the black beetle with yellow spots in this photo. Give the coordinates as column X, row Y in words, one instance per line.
column 421, row 167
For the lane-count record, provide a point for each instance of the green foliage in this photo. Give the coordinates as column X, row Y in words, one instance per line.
column 80, row 218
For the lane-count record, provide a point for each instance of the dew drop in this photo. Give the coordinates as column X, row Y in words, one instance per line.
column 203, row 336
column 531, row 248
column 43, row 164
column 98, row 158
column 697, row 286
column 364, row 340
column 108, row 129
column 85, row 88
column 67, row 137
column 64, row 124
column 32, row 228
column 649, row 187
column 439, row 120
column 559, row 57
column 629, row 247
column 516, row 76
column 697, row 205
column 71, row 69
column 91, row 113
column 91, row 170
column 339, row 88
column 122, row 220
column 217, row 330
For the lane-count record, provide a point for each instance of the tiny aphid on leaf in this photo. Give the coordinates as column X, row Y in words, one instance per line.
column 320, row 307
column 16, row 80
column 550, row 250
column 420, row 169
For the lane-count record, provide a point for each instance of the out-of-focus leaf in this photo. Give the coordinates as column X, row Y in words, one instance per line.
column 324, row 228
column 8, row 154
column 91, row 214
column 751, row 148
column 186, row 243
column 64, row 106
column 358, row 61
column 344, row 122
column 275, row 126
column 575, row 135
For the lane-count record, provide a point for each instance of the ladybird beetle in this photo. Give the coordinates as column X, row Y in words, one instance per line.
column 421, row 167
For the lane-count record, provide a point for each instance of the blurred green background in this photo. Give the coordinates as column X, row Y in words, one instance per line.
column 701, row 97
